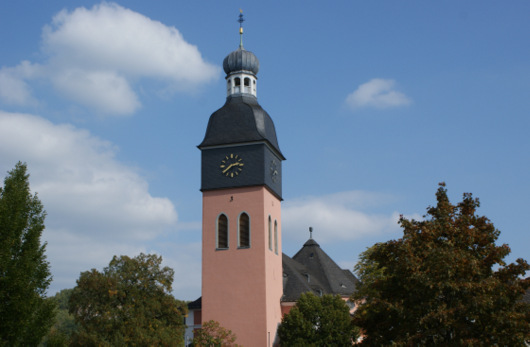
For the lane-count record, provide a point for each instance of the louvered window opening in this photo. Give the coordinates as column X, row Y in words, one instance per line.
column 270, row 233
column 276, row 237
column 244, row 231
column 222, row 232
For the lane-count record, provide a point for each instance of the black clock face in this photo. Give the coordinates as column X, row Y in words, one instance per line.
column 274, row 170
column 232, row 165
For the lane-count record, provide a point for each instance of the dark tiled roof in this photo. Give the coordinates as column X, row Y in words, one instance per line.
column 311, row 269
column 297, row 280
column 240, row 120
column 195, row 305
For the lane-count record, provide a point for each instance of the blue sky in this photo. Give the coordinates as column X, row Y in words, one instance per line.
column 374, row 103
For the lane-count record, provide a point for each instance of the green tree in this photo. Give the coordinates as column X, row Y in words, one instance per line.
column 318, row 321
column 212, row 334
column 128, row 304
column 64, row 326
column 443, row 283
column 25, row 314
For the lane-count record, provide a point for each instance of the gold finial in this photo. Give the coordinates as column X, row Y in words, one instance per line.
column 241, row 20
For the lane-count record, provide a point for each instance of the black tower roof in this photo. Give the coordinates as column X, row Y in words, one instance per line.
column 240, row 120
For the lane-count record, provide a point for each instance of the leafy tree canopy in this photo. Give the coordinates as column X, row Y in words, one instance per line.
column 443, row 283
column 25, row 314
column 128, row 304
column 64, row 326
column 212, row 334
column 317, row 321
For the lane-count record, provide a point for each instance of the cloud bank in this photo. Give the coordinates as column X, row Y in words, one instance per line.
column 377, row 93
column 337, row 217
column 95, row 56
column 96, row 207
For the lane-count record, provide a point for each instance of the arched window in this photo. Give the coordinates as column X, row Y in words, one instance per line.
column 247, row 85
column 276, row 237
column 237, row 84
column 222, row 231
column 270, row 233
column 244, row 230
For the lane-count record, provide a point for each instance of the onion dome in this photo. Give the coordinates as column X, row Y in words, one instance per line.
column 241, row 60
column 241, row 67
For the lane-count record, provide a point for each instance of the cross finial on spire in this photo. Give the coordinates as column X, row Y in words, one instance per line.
column 241, row 20
column 311, row 232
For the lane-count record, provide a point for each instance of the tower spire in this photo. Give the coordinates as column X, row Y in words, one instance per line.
column 241, row 20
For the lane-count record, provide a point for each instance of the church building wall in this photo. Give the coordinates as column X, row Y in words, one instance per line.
column 242, row 287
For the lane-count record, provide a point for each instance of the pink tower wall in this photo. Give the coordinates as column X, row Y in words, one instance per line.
column 242, row 288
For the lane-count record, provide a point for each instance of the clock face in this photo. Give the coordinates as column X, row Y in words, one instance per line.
column 274, row 170
column 232, row 165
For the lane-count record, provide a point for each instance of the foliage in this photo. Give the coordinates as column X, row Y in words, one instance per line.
column 25, row 314
column 129, row 303
column 443, row 283
column 317, row 321
column 212, row 334
column 64, row 326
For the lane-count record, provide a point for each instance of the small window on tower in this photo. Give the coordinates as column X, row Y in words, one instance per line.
column 247, row 85
column 222, row 232
column 237, row 85
column 270, row 233
column 244, row 231
column 276, row 237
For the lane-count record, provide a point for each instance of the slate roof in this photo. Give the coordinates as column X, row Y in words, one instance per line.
column 195, row 305
column 240, row 120
column 311, row 269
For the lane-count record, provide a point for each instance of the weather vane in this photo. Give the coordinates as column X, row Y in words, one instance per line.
column 241, row 20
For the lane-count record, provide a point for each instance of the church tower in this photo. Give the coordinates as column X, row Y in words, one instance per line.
column 241, row 183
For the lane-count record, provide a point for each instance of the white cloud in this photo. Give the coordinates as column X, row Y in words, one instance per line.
column 109, row 36
column 378, row 93
column 13, row 87
column 96, row 206
column 185, row 259
column 103, row 90
column 337, row 217
column 96, row 56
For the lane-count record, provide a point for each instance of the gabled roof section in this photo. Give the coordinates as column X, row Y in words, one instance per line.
column 297, row 280
column 334, row 279
column 311, row 269
column 195, row 305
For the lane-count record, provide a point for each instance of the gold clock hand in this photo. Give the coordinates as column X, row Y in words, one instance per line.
column 228, row 168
